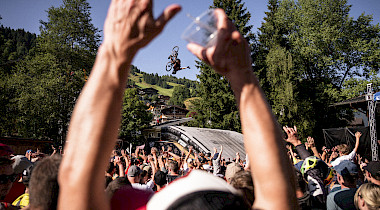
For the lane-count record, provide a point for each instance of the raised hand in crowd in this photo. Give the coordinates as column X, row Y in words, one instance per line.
column 162, row 149
column 357, row 140
column 237, row 158
column 161, row 163
column 324, row 155
column 291, row 153
column 334, row 154
column 54, row 150
column 310, row 141
column 119, row 164
column 292, row 135
column 154, row 152
column 137, row 152
column 125, row 155
column 143, row 156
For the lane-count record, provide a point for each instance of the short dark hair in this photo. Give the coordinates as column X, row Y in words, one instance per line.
column 43, row 185
column 110, row 167
column 160, row 178
column 349, row 178
column 116, row 185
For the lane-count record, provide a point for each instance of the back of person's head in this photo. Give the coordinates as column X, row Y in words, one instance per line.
column 173, row 166
column 43, row 184
column 243, row 181
column 231, row 170
column 348, row 171
column 144, row 176
column 370, row 194
column 115, row 185
column 373, row 168
column 160, row 178
column 343, row 148
column 110, row 168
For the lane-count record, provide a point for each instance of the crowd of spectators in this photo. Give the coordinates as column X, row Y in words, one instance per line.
column 336, row 178
column 90, row 175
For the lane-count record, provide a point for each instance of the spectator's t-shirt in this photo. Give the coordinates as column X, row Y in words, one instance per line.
column 171, row 178
column 207, row 167
column 216, row 166
column 341, row 199
column 148, row 186
column 349, row 157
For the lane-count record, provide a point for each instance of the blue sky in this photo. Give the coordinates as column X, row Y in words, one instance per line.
column 153, row 58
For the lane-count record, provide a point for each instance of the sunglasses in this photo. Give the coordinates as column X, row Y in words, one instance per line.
column 4, row 179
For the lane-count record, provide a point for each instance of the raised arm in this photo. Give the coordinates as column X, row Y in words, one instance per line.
column 126, row 158
column 188, row 154
column 357, row 137
column 324, row 154
column 94, row 125
column 120, row 165
column 221, row 151
column 310, row 141
column 273, row 175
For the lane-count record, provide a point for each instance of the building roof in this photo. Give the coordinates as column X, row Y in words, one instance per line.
column 351, row 101
column 173, row 122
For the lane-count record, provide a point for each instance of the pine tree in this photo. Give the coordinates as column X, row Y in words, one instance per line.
column 307, row 49
column 49, row 80
column 135, row 117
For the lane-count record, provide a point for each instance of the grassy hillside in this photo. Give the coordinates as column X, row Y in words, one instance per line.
column 163, row 91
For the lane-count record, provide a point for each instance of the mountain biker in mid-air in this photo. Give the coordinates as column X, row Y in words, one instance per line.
column 175, row 62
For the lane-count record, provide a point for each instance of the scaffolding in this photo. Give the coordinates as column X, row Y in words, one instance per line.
column 372, row 121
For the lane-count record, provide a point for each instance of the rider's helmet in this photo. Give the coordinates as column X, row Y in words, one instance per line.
column 325, row 172
column 308, row 163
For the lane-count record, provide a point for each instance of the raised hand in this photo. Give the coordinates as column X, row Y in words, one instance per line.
column 292, row 135
column 358, row 134
column 310, row 141
column 117, row 160
column 123, row 153
column 130, row 25
column 231, row 51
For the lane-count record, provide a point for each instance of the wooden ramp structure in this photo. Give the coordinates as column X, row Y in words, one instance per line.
column 204, row 139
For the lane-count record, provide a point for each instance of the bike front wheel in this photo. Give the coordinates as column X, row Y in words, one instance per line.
column 175, row 49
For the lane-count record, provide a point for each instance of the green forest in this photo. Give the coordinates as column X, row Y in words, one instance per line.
column 307, row 54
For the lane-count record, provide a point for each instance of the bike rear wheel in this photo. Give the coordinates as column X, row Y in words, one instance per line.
column 169, row 66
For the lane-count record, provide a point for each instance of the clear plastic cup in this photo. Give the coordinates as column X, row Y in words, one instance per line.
column 202, row 30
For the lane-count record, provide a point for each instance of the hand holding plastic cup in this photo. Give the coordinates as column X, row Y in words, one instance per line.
column 202, row 30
